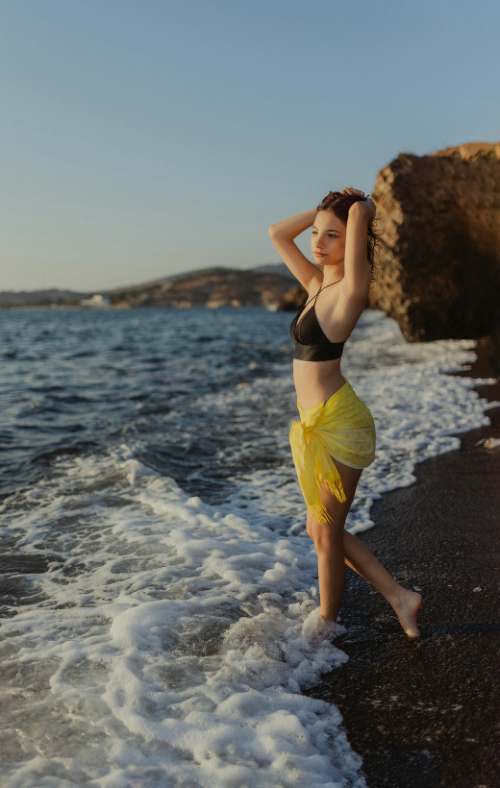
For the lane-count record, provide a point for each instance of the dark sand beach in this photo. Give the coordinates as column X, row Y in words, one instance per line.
column 426, row 713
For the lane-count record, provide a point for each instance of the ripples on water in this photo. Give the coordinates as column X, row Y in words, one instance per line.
column 157, row 587
column 76, row 381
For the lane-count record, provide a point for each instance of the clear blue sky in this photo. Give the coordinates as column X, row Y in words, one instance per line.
column 147, row 137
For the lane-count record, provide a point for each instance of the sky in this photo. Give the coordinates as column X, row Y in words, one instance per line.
column 144, row 138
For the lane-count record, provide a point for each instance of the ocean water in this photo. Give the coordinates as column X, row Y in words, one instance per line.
column 158, row 592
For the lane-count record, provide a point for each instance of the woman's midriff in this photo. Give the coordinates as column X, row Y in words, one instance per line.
column 316, row 381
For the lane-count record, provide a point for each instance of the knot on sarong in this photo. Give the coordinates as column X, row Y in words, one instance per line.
column 308, row 431
column 314, row 465
column 341, row 427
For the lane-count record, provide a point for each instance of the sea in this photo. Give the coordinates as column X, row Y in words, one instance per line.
column 158, row 590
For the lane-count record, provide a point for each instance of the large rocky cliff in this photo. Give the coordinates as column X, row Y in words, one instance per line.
column 439, row 264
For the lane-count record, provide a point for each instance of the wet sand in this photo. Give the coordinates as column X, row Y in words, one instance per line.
column 426, row 713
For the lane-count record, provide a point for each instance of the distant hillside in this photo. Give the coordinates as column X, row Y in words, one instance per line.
column 265, row 284
column 266, row 268
column 9, row 298
column 274, row 268
column 210, row 287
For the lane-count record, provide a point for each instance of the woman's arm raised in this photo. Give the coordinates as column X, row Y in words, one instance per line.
column 356, row 268
column 282, row 235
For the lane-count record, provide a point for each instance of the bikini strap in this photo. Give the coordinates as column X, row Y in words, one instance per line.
column 311, row 299
column 319, row 291
column 317, row 294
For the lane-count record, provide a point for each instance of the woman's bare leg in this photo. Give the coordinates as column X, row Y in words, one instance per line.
column 328, row 540
column 405, row 603
column 336, row 547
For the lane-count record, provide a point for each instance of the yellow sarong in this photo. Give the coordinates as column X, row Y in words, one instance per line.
column 341, row 428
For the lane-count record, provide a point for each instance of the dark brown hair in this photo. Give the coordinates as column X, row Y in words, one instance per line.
column 339, row 204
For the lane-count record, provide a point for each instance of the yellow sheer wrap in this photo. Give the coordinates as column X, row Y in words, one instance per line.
column 341, row 428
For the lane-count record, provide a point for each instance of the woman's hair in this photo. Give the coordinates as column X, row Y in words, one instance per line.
column 339, row 203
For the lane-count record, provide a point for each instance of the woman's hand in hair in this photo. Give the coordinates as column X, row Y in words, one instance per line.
column 367, row 206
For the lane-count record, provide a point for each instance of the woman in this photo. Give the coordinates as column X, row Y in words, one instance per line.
column 335, row 438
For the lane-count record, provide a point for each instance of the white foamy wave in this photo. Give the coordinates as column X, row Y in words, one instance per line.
column 173, row 650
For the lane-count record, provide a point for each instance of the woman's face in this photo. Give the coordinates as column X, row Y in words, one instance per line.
column 328, row 239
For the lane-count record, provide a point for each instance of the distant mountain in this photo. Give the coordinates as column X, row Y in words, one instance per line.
column 263, row 284
column 210, row 287
column 274, row 268
column 9, row 298
column 266, row 268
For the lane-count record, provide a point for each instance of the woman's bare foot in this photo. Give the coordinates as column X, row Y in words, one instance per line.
column 406, row 606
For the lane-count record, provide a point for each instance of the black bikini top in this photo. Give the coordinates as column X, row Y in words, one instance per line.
column 311, row 344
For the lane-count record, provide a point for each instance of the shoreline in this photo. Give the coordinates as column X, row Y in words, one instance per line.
column 113, row 307
column 425, row 713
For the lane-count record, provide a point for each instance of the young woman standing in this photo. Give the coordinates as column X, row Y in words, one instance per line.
column 335, row 437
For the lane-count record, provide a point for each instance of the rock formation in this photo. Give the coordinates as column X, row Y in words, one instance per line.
column 439, row 261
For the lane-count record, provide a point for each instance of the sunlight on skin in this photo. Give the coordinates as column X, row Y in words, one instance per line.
column 339, row 250
column 336, row 547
